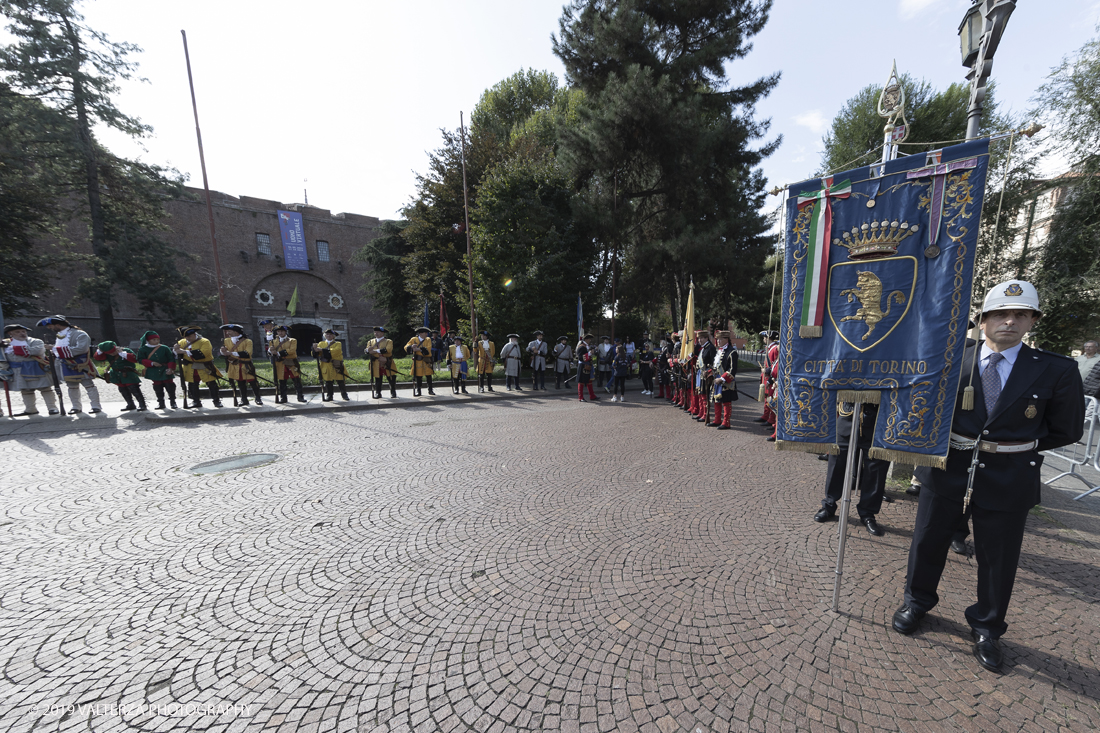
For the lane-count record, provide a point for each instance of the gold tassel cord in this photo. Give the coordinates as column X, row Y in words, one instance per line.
column 968, row 393
column 810, row 332
column 760, row 395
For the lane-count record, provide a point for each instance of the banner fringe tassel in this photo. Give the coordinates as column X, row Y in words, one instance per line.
column 911, row 459
column 867, row 397
column 798, row 446
column 810, row 332
column 968, row 398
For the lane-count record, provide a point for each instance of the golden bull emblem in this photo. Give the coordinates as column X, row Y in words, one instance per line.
column 868, row 291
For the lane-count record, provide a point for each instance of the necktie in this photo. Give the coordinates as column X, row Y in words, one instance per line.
column 991, row 382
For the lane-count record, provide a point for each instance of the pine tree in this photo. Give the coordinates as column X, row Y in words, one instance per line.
column 663, row 151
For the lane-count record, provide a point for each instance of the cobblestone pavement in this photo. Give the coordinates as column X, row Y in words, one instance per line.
column 525, row 564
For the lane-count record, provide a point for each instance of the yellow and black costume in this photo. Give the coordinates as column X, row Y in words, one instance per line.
column 420, row 349
column 197, row 356
column 330, row 356
column 380, row 353
column 284, row 351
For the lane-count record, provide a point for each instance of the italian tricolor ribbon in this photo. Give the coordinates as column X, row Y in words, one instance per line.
column 817, row 258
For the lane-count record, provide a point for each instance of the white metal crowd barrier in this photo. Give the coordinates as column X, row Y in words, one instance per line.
column 1081, row 453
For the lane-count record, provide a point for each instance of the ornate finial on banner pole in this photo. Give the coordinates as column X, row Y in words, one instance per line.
column 891, row 107
column 776, row 191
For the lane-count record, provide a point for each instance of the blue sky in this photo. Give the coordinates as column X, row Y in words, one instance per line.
column 351, row 95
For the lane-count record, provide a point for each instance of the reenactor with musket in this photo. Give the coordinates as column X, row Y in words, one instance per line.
column 26, row 356
column 160, row 367
column 510, row 355
column 725, row 380
column 563, row 359
column 704, row 376
column 538, row 349
column 419, row 348
column 284, row 350
column 238, row 350
column 72, row 350
column 330, row 354
column 458, row 359
column 197, row 356
column 122, row 372
column 379, row 352
column 485, row 356
column 586, row 362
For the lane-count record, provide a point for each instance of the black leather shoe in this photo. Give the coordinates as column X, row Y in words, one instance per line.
column 987, row 651
column 958, row 547
column 913, row 490
column 888, row 499
column 759, row 419
column 907, row 620
column 872, row 526
column 823, row 515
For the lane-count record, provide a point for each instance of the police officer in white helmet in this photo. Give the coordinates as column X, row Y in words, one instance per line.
column 1024, row 401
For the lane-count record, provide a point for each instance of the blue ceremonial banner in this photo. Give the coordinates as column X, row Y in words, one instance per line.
column 294, row 240
column 876, row 297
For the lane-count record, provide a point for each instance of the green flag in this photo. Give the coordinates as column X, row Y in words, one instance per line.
column 292, row 308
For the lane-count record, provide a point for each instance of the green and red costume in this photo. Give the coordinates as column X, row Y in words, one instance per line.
column 162, row 377
column 122, row 372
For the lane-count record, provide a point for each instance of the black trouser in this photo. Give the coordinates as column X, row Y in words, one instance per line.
column 130, row 393
column 538, row 379
column 159, row 388
column 212, row 386
column 872, row 483
column 647, row 377
column 485, row 381
column 559, row 377
column 998, row 537
column 377, row 393
column 420, row 386
column 618, row 385
column 328, row 391
column 297, row 389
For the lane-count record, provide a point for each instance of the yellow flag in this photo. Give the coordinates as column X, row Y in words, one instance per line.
column 292, row 308
column 687, row 338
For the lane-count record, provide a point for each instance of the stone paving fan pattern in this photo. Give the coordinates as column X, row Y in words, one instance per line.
column 535, row 564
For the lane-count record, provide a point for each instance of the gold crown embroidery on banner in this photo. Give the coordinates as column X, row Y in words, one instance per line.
column 877, row 239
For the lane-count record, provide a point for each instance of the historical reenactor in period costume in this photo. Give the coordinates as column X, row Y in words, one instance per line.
column 330, row 354
column 646, row 361
column 459, row 356
column 1022, row 401
column 604, row 354
column 419, row 348
column 284, row 351
column 486, row 357
column 586, row 367
column 664, row 353
column 510, row 355
column 725, row 380
column 122, row 372
column 872, row 481
column 72, row 349
column 539, row 350
column 26, row 356
column 563, row 361
column 379, row 352
column 771, row 356
column 704, row 379
column 197, row 356
column 160, row 367
column 238, row 351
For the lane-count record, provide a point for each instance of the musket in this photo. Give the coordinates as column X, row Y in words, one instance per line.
column 56, row 384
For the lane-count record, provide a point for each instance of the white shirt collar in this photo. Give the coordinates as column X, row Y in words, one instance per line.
column 1009, row 354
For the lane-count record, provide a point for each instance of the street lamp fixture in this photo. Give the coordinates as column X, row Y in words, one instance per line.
column 979, row 35
column 970, row 32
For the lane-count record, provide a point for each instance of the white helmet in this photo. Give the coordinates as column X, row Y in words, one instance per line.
column 1012, row 295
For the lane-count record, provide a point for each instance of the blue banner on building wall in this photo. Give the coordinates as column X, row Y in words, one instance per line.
column 294, row 240
column 876, row 298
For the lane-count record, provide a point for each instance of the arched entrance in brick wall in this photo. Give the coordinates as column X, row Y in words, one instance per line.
column 307, row 334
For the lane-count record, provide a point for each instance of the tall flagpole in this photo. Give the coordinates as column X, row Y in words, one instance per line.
column 206, row 187
column 466, row 211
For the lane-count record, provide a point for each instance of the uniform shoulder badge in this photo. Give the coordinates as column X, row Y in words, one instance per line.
column 1055, row 353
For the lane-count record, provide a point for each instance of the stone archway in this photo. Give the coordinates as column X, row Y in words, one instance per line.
column 306, row 334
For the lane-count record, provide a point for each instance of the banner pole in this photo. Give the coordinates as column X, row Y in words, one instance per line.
column 846, row 498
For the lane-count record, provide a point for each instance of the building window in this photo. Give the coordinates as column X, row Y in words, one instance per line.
column 263, row 243
column 322, row 250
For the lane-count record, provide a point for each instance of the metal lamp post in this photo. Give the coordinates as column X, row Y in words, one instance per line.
column 979, row 35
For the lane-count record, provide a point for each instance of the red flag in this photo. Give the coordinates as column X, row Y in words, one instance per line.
column 444, row 322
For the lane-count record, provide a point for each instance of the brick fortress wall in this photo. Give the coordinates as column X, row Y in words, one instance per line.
column 257, row 285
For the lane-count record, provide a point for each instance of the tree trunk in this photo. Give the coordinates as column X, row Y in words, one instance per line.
column 91, row 175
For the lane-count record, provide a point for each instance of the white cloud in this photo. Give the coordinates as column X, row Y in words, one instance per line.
column 909, row 9
column 812, row 119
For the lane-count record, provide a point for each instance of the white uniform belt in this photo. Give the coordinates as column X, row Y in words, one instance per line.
column 961, row 442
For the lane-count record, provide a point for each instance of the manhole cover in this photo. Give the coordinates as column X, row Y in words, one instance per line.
column 232, row 463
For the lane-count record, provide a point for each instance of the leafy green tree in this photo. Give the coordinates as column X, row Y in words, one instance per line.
column 75, row 70
column 384, row 282
column 31, row 140
column 1068, row 272
column 662, row 153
